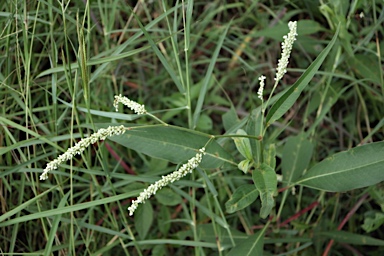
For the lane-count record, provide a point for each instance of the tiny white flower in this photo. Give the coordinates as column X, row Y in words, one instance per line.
column 261, row 88
column 133, row 105
column 287, row 48
column 165, row 180
column 79, row 147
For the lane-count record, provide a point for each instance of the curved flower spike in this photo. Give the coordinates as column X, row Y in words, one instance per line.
column 133, row 105
column 79, row 147
column 165, row 180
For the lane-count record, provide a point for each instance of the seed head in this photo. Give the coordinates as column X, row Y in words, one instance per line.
column 286, row 47
column 79, row 147
column 165, row 180
column 133, row 105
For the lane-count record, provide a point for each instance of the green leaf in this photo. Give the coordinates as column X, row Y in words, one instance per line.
column 253, row 245
column 245, row 165
column 286, row 101
column 255, row 128
column 377, row 196
column 164, row 61
column 211, row 234
column 266, row 183
column 241, row 198
column 269, row 154
column 230, row 118
column 172, row 144
column 205, row 123
column 352, row 238
column 56, row 211
column 163, row 220
column 54, row 226
column 297, row 153
column 356, row 168
column 208, row 76
column 159, row 250
column 307, row 27
column 143, row 219
column 243, row 145
column 366, row 66
column 167, row 196
column 371, row 223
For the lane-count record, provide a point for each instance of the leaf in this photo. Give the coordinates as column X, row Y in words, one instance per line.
column 269, row 154
column 208, row 76
column 167, row 196
column 243, row 145
column 164, row 220
column 266, row 183
column 54, row 227
column 297, row 153
column 212, row 234
column 245, row 165
column 356, row 168
column 172, row 144
column 205, row 123
column 255, row 128
column 241, row 198
column 143, row 219
column 176, row 79
column 230, row 118
column 352, row 238
column 116, row 53
column 371, row 223
column 285, row 102
column 366, row 66
column 253, row 245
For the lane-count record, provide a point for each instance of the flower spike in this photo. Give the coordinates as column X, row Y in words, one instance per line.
column 165, row 180
column 133, row 105
column 261, row 88
column 79, row 147
column 287, row 48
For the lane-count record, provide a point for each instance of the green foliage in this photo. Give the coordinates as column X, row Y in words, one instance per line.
column 265, row 181
column 356, row 168
column 241, row 198
column 282, row 175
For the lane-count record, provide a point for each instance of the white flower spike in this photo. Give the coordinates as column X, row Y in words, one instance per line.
column 287, row 48
column 165, row 180
column 133, row 105
column 79, row 147
column 261, row 88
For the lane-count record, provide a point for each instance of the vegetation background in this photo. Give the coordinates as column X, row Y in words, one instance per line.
column 61, row 64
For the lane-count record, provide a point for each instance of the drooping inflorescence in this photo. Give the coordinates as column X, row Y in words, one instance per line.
column 133, row 105
column 79, row 147
column 165, row 180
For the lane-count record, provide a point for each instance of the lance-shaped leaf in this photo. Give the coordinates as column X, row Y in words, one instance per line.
column 241, row 198
column 265, row 180
column 243, row 145
column 297, row 153
column 174, row 144
column 356, row 168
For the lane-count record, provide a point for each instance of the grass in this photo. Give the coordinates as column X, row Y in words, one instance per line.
column 195, row 65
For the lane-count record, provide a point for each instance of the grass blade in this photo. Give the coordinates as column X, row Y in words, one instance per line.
column 208, row 77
